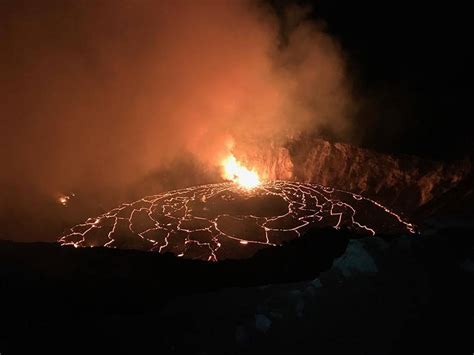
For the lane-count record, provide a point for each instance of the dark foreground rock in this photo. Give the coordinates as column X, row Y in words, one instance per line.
column 320, row 293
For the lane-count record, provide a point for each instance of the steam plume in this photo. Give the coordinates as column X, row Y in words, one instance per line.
column 101, row 93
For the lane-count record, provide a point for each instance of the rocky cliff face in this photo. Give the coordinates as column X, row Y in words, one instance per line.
column 404, row 183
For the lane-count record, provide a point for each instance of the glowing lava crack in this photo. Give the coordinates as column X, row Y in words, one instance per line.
column 222, row 221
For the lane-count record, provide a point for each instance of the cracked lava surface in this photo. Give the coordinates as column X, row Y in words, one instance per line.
column 224, row 221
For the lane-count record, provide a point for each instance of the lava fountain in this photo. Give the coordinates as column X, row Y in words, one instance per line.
column 236, row 172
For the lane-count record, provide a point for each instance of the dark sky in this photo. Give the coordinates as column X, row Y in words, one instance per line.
column 412, row 65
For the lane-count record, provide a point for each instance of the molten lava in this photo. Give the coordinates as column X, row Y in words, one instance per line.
column 236, row 172
column 221, row 221
column 65, row 199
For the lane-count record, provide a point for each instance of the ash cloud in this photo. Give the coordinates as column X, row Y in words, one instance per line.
column 102, row 93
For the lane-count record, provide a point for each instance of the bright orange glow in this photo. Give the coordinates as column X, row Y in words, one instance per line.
column 236, row 172
column 63, row 200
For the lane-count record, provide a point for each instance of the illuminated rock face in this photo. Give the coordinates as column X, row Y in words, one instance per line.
column 221, row 221
column 404, row 183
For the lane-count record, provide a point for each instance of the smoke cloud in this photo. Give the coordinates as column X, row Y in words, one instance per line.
column 102, row 93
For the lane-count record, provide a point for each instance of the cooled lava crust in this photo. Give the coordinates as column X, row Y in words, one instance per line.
column 222, row 221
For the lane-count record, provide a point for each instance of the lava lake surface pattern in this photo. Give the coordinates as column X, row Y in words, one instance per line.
column 223, row 221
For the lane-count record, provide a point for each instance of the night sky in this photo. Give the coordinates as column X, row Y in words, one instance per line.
column 412, row 65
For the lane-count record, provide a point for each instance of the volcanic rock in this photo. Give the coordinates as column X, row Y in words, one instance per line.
column 405, row 183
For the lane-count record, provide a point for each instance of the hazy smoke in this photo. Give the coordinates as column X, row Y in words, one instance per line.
column 102, row 93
